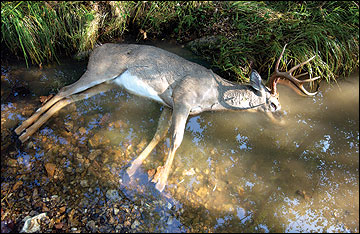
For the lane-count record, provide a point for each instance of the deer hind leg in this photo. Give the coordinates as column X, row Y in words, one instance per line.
column 179, row 119
column 37, row 114
column 66, row 91
column 162, row 129
column 61, row 104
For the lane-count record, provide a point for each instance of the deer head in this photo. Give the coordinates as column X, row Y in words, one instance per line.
column 270, row 91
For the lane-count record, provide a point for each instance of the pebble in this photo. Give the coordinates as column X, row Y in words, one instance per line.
column 112, row 195
column 82, row 130
column 135, row 224
column 31, row 224
column 170, row 220
column 84, row 183
column 17, row 185
column 189, row 172
column 116, row 211
column 93, row 154
column 92, row 226
column 50, row 169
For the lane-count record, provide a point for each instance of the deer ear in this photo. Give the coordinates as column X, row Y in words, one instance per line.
column 255, row 80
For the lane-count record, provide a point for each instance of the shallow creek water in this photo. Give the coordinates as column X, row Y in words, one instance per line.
column 234, row 171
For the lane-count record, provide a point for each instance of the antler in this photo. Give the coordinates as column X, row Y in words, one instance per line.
column 275, row 77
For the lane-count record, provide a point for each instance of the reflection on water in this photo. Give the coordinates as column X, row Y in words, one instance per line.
column 234, row 172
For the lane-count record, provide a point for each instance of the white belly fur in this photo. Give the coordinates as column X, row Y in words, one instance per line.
column 136, row 86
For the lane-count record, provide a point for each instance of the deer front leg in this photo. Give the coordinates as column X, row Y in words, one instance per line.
column 179, row 118
column 162, row 129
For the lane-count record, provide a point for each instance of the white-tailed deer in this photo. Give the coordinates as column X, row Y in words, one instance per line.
column 183, row 86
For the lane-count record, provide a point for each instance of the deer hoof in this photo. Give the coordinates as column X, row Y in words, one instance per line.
column 131, row 170
column 160, row 186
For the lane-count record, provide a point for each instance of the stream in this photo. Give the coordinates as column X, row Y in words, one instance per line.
column 234, row 171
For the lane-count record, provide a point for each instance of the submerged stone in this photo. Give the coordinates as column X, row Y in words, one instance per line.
column 32, row 224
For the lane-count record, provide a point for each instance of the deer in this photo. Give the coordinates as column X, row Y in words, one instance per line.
column 183, row 87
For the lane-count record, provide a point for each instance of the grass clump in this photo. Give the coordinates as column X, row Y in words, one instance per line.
column 257, row 31
column 240, row 33
column 41, row 30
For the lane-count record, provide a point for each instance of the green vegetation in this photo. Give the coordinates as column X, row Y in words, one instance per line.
column 242, row 32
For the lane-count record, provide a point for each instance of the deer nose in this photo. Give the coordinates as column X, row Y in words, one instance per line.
column 273, row 106
column 277, row 117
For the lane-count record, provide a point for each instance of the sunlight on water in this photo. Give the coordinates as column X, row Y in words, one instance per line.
column 234, row 172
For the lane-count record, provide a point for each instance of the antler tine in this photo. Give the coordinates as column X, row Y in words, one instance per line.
column 310, row 79
column 274, row 77
column 301, row 64
column 299, row 84
column 302, row 74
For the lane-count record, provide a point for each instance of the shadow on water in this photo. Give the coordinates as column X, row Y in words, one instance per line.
column 234, row 172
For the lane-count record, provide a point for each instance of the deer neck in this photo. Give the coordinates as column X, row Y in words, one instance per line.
column 234, row 96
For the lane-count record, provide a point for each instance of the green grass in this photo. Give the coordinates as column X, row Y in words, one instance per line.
column 245, row 32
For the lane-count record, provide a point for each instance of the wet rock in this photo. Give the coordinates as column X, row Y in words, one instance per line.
column 118, row 124
column 5, row 137
column 151, row 173
column 7, row 226
column 84, row 183
column 104, row 119
column 69, row 126
column 118, row 154
column 113, row 195
column 240, row 190
column 44, row 99
column 303, row 194
column 73, row 220
column 69, row 169
column 170, row 220
column 91, row 226
column 11, row 162
column 79, row 157
column 66, row 134
column 79, row 169
column 135, row 224
column 94, row 169
column 35, row 194
column 204, row 43
column 202, row 192
column 116, row 211
column 98, row 139
column 86, row 163
column 59, row 225
column 17, row 185
column 189, row 172
column 62, row 209
column 82, row 130
column 50, row 169
column 32, row 224
column 93, row 154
